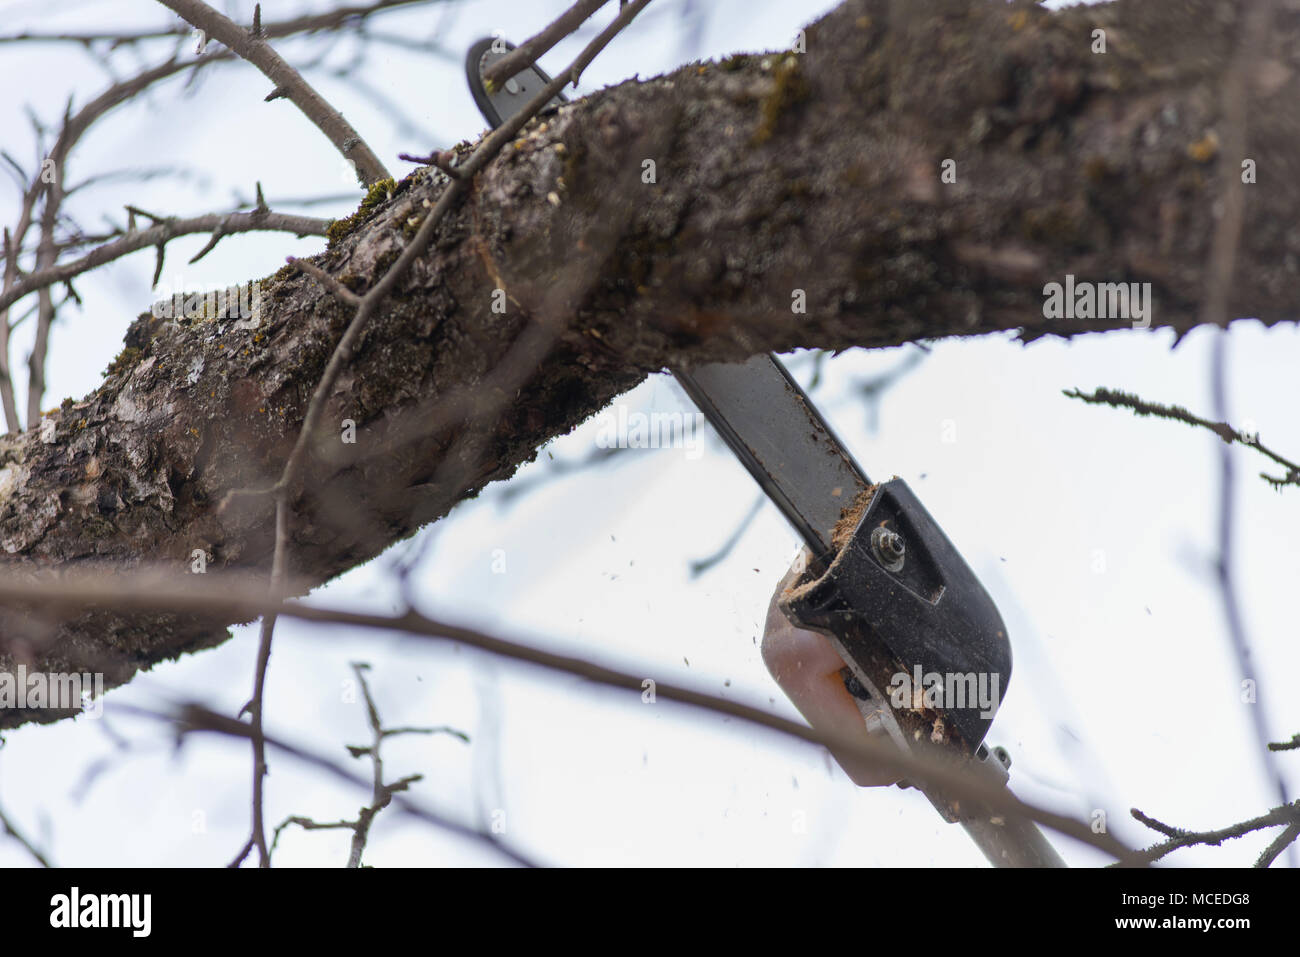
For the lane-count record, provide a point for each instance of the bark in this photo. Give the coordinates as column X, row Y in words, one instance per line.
column 774, row 173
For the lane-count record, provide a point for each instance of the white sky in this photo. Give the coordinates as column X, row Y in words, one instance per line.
column 1124, row 693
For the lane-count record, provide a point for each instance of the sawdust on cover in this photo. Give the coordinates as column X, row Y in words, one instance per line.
column 850, row 517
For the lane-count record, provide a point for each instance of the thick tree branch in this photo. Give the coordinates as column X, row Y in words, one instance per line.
column 743, row 184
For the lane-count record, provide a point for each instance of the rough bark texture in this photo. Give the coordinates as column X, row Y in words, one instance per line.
column 774, row 173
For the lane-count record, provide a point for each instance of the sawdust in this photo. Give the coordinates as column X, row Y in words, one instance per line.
column 850, row 517
column 797, row 585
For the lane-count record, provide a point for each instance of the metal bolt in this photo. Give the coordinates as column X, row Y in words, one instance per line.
column 889, row 547
column 853, row 686
column 1003, row 756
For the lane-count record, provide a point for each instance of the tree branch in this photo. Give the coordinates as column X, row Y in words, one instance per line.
column 220, row 224
column 288, row 82
column 240, row 596
column 1178, row 838
column 527, row 52
column 744, row 182
column 365, row 307
column 1140, row 407
column 308, row 23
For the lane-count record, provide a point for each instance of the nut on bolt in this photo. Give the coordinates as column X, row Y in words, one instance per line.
column 888, row 547
column 1003, row 756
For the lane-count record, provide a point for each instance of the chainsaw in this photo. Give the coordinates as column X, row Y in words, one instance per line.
column 925, row 654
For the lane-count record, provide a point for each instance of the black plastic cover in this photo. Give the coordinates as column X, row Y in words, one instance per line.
column 932, row 614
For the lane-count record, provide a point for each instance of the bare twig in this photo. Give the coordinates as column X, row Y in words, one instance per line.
column 340, row 292
column 9, row 830
column 12, row 422
column 45, row 257
column 193, row 717
column 1288, row 814
column 1223, row 430
column 527, row 52
column 165, row 231
column 1238, row 639
column 1283, row 842
column 288, row 82
column 381, row 792
column 478, row 410
column 242, row 599
column 342, row 355
column 310, row 23
column 1234, row 115
column 521, row 485
column 74, row 127
column 699, row 566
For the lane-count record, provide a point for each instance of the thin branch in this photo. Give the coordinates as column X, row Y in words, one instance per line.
column 476, row 410
column 74, row 126
column 1234, row 114
column 1282, row 842
column 254, row 707
column 307, row 824
column 311, row 23
column 699, row 566
column 336, row 288
column 7, row 827
column 10, row 404
column 1238, row 638
column 381, row 793
column 553, row 469
column 1223, row 430
column 526, row 53
column 192, row 717
column 166, row 230
column 288, row 82
column 1288, row 814
column 244, row 598
column 45, row 258
column 342, row 355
